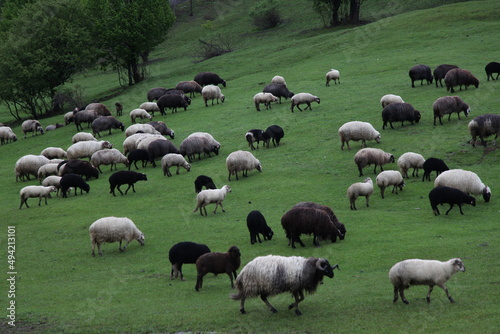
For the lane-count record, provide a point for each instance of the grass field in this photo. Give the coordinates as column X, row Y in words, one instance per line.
column 60, row 287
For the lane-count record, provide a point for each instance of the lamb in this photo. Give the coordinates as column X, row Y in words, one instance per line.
column 108, row 157
column 197, row 143
column 447, row 105
column 143, row 128
column 301, row 98
column 212, row 92
column 155, row 93
column 484, row 126
column 464, row 180
column 83, row 136
column 390, row 178
column 125, row 177
column 410, row 160
column 28, row 165
column 162, row 128
column 257, row 135
column 73, row 181
column 54, row 153
column 119, row 108
column 114, row 229
column 278, row 90
column 150, row 107
column 390, row 98
column 104, row 123
column 491, row 68
column 440, row 72
column 241, row 161
column 340, row 230
column 452, row 196
column 420, row 72
column 399, row 112
column 171, row 101
column 209, row 196
column 79, row 167
column 99, row 108
column 46, row 170
column 218, row 263
column 52, row 180
column 257, row 225
column 433, row 164
column 85, row 149
column 356, row 130
column 278, row 79
column 190, row 87
column 159, row 148
column 203, row 181
column 7, row 135
column 68, row 117
column 173, row 159
column 275, row 133
column 35, row 191
column 209, row 78
column 459, row 77
column 138, row 155
column 332, row 75
column 84, row 116
column 372, row 156
column 140, row 113
column 184, row 252
column 265, row 98
column 31, row 125
column 423, row 272
column 357, row 189
column 270, row 275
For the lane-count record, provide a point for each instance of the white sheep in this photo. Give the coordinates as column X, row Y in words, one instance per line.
column 372, row 156
column 68, row 117
column 464, row 180
column 302, row 98
column 85, row 149
column 198, row 143
column 7, row 135
column 265, row 98
column 150, row 107
column 332, row 75
column 33, row 192
column 357, row 130
column 130, row 143
column 278, row 79
column 114, row 229
column 143, row 128
column 140, row 113
column 83, row 136
column 410, row 160
column 209, row 196
column 142, row 143
column 173, row 159
column 28, row 165
column 241, row 161
column 108, row 157
column 31, row 125
column 390, row 178
column 390, row 98
column 357, row 189
column 54, row 152
column 212, row 92
column 52, row 180
column 47, row 169
column 423, row 272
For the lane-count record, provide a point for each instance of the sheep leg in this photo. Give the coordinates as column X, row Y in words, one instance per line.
column 367, row 201
column 431, row 287
column 298, row 106
column 353, row 204
column 299, row 296
column 402, row 294
column 395, row 299
column 442, row 286
column 131, row 185
column 205, row 209
column 242, row 305
column 451, row 207
column 118, row 187
column 382, row 191
column 178, row 166
column 199, row 282
column 308, row 106
column 264, row 299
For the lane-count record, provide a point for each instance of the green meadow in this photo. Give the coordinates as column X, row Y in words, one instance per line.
column 60, row 287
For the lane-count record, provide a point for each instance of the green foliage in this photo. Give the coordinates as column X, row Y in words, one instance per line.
column 266, row 14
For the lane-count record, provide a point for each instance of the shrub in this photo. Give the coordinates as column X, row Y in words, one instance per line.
column 265, row 14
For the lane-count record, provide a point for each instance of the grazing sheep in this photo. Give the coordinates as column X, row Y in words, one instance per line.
column 452, row 196
column 28, row 165
column 119, row 108
column 150, row 107
column 399, row 112
column 159, row 148
column 420, row 72
column 491, row 68
column 52, row 180
column 203, row 181
column 372, row 156
column 85, row 149
column 54, row 153
column 52, row 127
column 35, row 191
column 278, row 79
column 162, row 128
column 99, row 108
column 278, row 90
column 143, row 128
column 7, row 135
column 257, row 225
column 410, row 160
column 423, row 272
column 390, row 98
column 241, row 161
column 138, row 155
column 270, row 275
column 143, row 142
column 275, row 133
column 31, row 125
column 130, row 143
column 357, row 189
column 209, row 196
column 190, row 87
column 447, row 105
column 68, row 117
column 83, row 136
column 173, row 159
column 440, row 72
column 139, row 113
column 79, row 167
column 484, row 126
column 108, row 157
column 212, row 92
column 257, row 135
column 433, row 164
column 301, row 98
column 198, row 143
column 209, row 78
column 356, row 130
column 184, row 252
column 104, row 123
column 332, row 75
column 459, row 77
column 340, row 231
column 73, row 181
column 46, row 170
column 265, row 98
column 218, row 263
column 390, row 178
column 125, row 177
column 171, row 101
column 464, row 180
column 155, row 93
column 84, row 116
column 114, row 229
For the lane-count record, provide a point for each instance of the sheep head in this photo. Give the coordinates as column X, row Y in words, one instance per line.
column 486, row 194
column 324, row 266
column 458, row 265
column 141, row 239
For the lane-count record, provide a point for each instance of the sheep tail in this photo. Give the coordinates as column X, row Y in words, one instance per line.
column 236, row 296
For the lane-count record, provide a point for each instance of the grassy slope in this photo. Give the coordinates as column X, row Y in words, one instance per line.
column 61, row 285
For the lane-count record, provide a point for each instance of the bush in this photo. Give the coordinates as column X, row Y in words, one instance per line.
column 265, row 14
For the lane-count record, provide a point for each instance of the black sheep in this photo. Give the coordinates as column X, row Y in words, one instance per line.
column 181, row 93
column 104, row 123
column 452, row 196
column 155, row 93
column 399, row 112
column 440, row 72
column 203, row 181
column 158, row 148
column 125, row 177
column 340, row 230
column 184, row 252
column 420, row 72
column 162, row 128
column 275, row 132
column 491, row 68
column 209, row 78
column 433, row 164
column 171, row 101
column 278, row 90
column 257, row 135
column 257, row 225
column 73, row 181
column 138, row 155
column 79, row 167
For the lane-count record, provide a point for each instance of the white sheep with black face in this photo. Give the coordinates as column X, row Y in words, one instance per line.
column 467, row 181
column 212, row 92
column 242, row 161
column 332, row 75
column 410, row 160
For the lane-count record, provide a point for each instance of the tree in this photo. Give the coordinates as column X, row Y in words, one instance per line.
column 338, row 11
column 126, row 30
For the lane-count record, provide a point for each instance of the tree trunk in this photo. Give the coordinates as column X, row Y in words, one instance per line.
column 335, row 5
column 354, row 11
